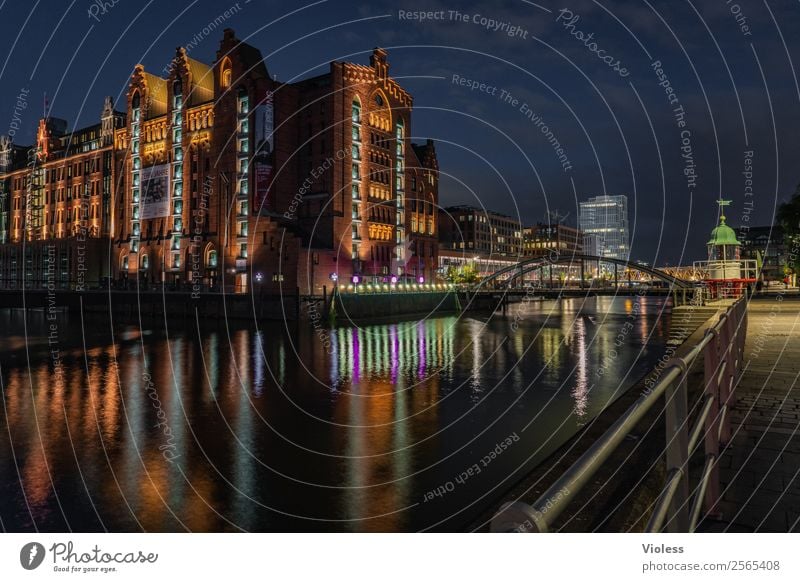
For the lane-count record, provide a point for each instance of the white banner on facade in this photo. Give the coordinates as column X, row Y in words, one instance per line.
column 265, row 125
column 263, row 159
column 155, row 191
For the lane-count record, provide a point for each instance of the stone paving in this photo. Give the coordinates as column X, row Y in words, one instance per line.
column 760, row 469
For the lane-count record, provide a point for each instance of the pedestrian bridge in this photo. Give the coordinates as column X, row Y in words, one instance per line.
column 508, row 275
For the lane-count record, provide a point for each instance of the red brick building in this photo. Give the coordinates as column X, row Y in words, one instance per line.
column 221, row 175
column 56, row 204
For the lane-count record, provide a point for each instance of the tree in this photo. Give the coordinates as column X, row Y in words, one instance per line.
column 788, row 217
column 469, row 274
column 466, row 274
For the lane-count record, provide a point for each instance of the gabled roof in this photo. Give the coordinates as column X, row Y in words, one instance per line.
column 202, row 89
column 157, row 94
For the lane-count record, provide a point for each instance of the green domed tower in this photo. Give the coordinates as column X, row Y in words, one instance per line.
column 724, row 249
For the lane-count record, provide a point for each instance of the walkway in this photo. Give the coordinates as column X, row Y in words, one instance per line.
column 760, row 470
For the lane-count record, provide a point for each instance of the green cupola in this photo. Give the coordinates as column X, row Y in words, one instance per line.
column 723, row 235
column 724, row 249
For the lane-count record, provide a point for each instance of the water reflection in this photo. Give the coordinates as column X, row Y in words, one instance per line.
column 219, row 427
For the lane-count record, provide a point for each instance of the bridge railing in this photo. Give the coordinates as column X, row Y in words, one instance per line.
column 722, row 350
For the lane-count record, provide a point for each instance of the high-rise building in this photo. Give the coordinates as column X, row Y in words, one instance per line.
column 590, row 245
column 606, row 218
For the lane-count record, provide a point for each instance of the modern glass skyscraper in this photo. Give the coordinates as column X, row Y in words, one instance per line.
column 606, row 217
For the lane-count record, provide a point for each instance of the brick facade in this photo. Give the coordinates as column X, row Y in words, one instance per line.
column 271, row 186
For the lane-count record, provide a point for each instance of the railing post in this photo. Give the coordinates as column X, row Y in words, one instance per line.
column 711, row 369
column 677, row 453
column 727, row 354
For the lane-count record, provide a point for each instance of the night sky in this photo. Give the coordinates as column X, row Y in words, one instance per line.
column 734, row 79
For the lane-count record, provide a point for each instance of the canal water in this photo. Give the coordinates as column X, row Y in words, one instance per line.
column 215, row 426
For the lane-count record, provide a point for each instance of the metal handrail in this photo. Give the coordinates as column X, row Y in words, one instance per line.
column 699, row 424
column 722, row 364
column 697, row 504
column 664, row 500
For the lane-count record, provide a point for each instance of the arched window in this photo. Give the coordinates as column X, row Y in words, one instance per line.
column 356, row 111
column 211, row 259
column 124, row 263
column 226, row 73
column 136, row 101
column 145, row 262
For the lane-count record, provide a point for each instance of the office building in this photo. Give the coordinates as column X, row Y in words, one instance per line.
column 606, row 218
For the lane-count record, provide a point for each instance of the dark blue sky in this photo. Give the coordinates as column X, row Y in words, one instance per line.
column 619, row 133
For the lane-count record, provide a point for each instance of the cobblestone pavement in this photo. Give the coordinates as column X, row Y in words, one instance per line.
column 760, row 470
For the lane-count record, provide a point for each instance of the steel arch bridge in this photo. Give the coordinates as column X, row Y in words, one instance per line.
column 523, row 267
